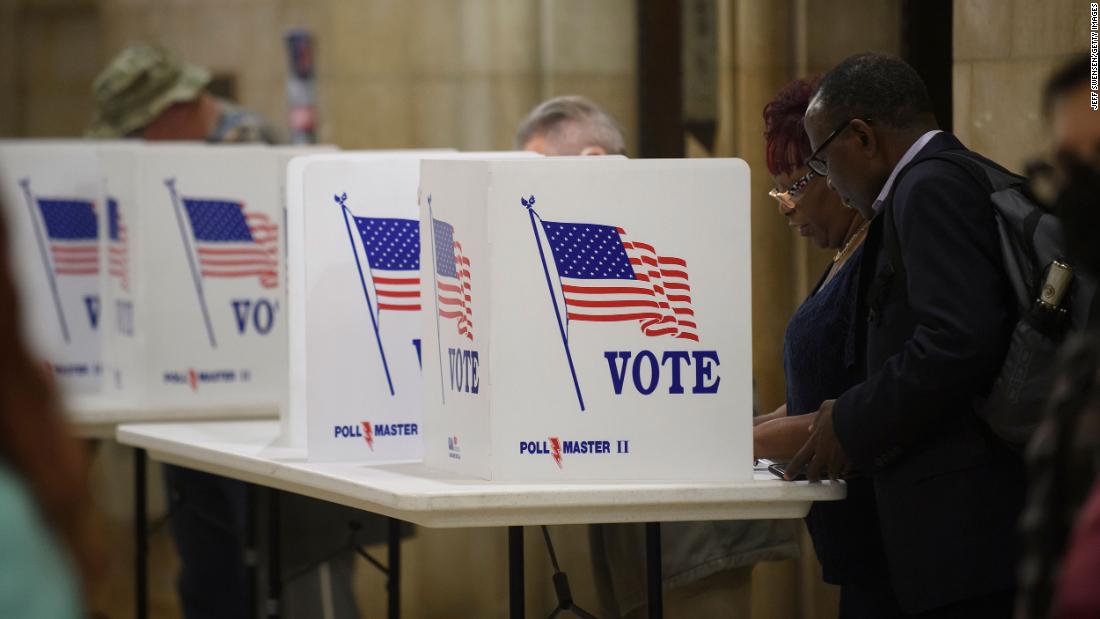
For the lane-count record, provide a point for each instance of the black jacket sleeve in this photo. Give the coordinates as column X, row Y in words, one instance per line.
column 957, row 301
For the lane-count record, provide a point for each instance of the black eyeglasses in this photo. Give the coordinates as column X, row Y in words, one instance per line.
column 814, row 162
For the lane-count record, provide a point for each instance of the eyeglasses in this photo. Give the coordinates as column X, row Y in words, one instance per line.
column 814, row 162
column 789, row 198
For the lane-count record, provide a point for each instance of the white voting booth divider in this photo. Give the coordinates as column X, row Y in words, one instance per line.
column 590, row 319
column 355, row 303
column 293, row 429
column 52, row 203
column 195, row 297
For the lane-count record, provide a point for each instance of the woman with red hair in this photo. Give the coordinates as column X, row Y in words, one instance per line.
column 819, row 357
column 45, row 503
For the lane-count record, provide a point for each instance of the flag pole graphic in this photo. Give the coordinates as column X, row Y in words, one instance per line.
column 25, row 183
column 435, row 297
column 530, row 206
column 170, row 183
column 341, row 199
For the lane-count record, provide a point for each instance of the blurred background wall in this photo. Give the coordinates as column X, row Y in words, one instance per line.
column 391, row 73
column 684, row 78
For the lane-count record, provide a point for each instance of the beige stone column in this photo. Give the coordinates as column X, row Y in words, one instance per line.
column 590, row 48
column 1004, row 52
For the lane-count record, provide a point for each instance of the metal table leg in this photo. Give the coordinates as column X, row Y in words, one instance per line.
column 274, row 562
column 141, row 538
column 653, row 570
column 393, row 568
column 515, row 573
column 251, row 552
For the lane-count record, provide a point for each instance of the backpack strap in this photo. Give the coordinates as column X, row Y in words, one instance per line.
column 987, row 174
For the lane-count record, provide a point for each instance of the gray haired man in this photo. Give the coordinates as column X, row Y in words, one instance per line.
column 570, row 125
column 707, row 565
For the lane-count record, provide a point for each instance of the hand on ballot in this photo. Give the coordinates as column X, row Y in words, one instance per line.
column 780, row 438
column 822, row 452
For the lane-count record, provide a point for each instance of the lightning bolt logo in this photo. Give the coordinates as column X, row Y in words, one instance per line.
column 368, row 434
column 555, row 450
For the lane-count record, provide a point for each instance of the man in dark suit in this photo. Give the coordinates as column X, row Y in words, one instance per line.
column 935, row 319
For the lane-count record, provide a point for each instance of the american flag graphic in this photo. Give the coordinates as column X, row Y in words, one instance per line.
column 71, row 228
column 118, row 246
column 393, row 254
column 232, row 242
column 452, row 271
column 605, row 277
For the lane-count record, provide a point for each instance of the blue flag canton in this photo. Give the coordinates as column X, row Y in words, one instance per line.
column 112, row 219
column 218, row 221
column 71, row 220
column 444, row 248
column 391, row 244
column 588, row 251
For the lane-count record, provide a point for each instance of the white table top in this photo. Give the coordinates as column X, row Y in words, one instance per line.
column 97, row 417
column 251, row 451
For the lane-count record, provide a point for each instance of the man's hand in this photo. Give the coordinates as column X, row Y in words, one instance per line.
column 822, row 451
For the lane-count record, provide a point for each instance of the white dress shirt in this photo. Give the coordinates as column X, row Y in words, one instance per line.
column 917, row 147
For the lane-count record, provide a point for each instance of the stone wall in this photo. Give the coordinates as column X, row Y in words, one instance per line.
column 1004, row 51
column 391, row 73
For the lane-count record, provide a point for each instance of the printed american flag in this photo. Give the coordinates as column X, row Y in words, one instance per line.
column 232, row 242
column 73, row 235
column 452, row 271
column 118, row 247
column 606, row 277
column 393, row 255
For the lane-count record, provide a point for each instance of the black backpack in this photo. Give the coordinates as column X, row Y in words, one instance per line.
column 1030, row 239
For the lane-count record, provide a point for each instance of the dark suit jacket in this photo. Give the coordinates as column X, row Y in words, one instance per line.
column 948, row 493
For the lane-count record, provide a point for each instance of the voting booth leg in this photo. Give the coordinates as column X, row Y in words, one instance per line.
column 653, row 570
column 515, row 572
column 141, row 538
column 251, row 553
column 274, row 562
column 393, row 568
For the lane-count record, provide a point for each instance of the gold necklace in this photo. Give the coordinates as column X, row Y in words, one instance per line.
column 855, row 235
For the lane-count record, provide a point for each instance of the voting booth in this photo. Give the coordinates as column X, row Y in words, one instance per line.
column 587, row 319
column 195, row 293
column 319, row 189
column 52, row 207
column 356, row 302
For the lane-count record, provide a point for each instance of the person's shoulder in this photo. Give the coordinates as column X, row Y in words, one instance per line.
column 238, row 124
column 17, row 512
column 35, row 580
column 935, row 176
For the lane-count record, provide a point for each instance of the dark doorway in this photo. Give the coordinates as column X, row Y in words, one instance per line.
column 660, row 101
column 926, row 44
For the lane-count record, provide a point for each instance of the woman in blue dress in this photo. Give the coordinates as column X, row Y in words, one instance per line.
column 819, row 358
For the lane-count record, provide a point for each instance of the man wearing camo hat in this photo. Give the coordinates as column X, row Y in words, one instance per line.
column 147, row 92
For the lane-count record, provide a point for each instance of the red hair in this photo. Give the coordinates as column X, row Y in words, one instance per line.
column 785, row 135
column 35, row 442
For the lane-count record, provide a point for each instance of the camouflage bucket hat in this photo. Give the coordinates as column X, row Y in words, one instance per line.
column 137, row 86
